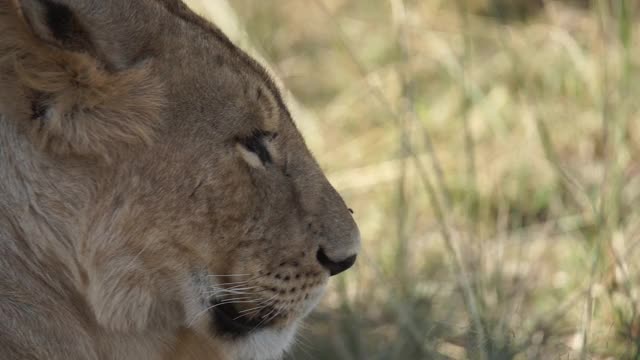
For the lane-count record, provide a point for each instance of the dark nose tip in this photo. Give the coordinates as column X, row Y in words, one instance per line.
column 334, row 267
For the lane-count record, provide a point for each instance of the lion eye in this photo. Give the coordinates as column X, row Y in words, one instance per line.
column 255, row 143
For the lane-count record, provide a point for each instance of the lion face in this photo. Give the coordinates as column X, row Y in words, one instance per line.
column 196, row 202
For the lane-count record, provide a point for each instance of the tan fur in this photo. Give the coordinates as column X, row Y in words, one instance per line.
column 131, row 196
column 191, row 346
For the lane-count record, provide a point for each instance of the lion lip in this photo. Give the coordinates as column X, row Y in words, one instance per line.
column 229, row 321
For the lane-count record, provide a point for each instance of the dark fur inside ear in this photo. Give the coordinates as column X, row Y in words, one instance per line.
column 64, row 25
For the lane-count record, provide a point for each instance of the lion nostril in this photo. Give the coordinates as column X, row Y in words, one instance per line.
column 334, row 267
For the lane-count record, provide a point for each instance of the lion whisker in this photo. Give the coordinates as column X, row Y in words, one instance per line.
column 229, row 275
column 261, row 305
column 238, row 291
column 252, row 278
column 238, row 283
column 267, row 302
column 235, row 287
column 245, row 299
column 264, row 318
column 224, row 291
column 233, row 283
column 242, row 288
column 233, row 302
column 253, row 311
column 276, row 314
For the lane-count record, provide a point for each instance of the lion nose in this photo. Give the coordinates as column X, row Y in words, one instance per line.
column 335, row 267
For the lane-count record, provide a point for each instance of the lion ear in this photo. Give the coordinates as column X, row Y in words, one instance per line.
column 84, row 27
column 90, row 80
column 54, row 23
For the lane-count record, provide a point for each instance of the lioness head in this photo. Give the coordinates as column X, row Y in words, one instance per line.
column 171, row 181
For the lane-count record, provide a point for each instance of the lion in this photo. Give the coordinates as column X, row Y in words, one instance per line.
column 156, row 198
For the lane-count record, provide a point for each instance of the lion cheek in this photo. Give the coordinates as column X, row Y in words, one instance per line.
column 121, row 309
column 126, row 299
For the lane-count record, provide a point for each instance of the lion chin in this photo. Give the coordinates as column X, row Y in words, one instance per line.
column 156, row 198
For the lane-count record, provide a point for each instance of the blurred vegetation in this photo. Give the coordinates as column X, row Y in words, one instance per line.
column 491, row 151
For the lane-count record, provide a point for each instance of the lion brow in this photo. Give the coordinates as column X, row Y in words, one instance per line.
column 184, row 13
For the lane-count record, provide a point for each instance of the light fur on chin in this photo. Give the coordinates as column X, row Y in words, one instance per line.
column 266, row 344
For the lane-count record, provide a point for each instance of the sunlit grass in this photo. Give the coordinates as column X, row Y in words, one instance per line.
column 491, row 151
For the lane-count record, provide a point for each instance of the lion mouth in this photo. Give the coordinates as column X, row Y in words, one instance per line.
column 229, row 320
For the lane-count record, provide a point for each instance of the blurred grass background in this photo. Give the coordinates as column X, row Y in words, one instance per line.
column 491, row 151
